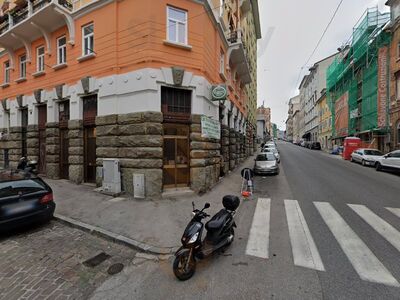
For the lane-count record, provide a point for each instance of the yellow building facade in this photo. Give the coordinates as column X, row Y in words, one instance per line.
column 325, row 123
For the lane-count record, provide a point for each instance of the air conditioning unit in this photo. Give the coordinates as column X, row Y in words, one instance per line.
column 111, row 176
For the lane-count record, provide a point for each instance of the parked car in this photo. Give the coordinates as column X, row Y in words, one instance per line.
column 266, row 163
column 303, row 143
column 24, row 199
column 269, row 146
column 367, row 157
column 274, row 151
column 315, row 145
column 390, row 161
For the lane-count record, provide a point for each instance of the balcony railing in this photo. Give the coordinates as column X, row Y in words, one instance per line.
column 38, row 4
column 233, row 37
column 67, row 4
column 20, row 15
column 4, row 26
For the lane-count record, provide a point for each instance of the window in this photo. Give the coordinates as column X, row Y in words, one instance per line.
column 398, row 50
column 62, row 50
column 87, row 39
column 397, row 86
column 22, row 66
column 7, row 72
column 222, row 63
column 177, row 25
column 398, row 133
column 40, row 59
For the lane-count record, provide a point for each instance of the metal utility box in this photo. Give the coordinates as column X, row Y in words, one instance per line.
column 111, row 176
column 138, row 186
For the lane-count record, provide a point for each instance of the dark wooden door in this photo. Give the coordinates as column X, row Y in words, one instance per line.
column 89, row 118
column 24, row 117
column 42, row 111
column 90, row 154
column 64, row 142
column 64, row 154
column 176, row 171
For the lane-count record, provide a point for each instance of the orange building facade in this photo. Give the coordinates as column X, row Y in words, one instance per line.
column 84, row 81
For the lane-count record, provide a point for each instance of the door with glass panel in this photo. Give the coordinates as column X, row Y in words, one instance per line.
column 176, row 171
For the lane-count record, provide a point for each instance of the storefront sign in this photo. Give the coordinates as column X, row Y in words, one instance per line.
column 342, row 115
column 210, row 128
column 382, row 86
column 219, row 92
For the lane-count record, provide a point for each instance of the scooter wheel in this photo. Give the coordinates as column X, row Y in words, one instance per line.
column 182, row 269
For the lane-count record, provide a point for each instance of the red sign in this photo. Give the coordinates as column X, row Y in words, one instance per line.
column 382, row 86
column 342, row 115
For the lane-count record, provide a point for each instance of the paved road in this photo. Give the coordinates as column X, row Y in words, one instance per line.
column 312, row 244
column 46, row 262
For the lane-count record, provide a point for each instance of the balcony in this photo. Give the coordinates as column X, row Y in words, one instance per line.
column 33, row 19
column 237, row 56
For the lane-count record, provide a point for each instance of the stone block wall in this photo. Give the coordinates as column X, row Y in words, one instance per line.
column 13, row 142
column 32, row 142
column 225, row 143
column 52, row 150
column 205, row 158
column 232, row 149
column 75, row 159
column 136, row 139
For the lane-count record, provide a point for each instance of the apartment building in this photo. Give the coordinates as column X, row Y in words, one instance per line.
column 82, row 81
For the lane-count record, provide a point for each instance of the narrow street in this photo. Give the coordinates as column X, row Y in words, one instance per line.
column 354, row 262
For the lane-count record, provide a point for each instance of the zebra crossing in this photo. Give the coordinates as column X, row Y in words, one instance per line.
column 304, row 250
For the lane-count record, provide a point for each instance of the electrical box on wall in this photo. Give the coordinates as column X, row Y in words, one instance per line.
column 111, row 176
column 138, row 186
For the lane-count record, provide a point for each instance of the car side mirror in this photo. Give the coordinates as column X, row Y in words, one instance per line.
column 207, row 205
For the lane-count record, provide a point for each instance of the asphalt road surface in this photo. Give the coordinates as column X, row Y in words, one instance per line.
column 323, row 228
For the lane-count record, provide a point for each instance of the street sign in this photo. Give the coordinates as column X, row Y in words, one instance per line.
column 219, row 92
column 210, row 128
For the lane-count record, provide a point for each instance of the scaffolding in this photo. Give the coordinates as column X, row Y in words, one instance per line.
column 355, row 72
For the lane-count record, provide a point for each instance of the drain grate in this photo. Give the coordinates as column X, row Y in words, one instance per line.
column 96, row 260
column 115, row 268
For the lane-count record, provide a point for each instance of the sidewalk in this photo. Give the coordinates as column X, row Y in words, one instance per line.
column 153, row 226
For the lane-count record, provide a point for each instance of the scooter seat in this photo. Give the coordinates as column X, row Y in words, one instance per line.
column 218, row 220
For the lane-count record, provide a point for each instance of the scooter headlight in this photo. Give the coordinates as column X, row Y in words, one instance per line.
column 193, row 238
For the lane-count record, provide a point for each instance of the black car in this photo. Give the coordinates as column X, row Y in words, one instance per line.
column 24, row 199
column 315, row 146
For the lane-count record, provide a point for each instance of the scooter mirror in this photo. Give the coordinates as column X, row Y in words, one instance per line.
column 207, row 205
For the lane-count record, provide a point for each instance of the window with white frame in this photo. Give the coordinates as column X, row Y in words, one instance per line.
column 7, row 72
column 40, row 59
column 397, row 75
column 87, row 39
column 22, row 66
column 62, row 50
column 177, row 25
column 222, row 63
column 221, row 7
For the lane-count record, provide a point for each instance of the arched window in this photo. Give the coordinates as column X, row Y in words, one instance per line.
column 398, row 132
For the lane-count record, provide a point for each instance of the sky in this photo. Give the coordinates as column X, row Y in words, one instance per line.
column 290, row 32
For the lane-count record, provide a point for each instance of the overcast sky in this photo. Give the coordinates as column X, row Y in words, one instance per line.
column 296, row 26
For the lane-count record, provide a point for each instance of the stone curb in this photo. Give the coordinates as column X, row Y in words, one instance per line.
column 116, row 238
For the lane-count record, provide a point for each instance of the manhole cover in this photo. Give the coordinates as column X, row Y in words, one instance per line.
column 96, row 260
column 115, row 268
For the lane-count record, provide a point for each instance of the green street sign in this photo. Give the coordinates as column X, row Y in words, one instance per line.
column 219, row 92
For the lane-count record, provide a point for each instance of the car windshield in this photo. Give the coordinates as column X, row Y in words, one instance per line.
column 265, row 157
column 20, row 187
column 373, row 152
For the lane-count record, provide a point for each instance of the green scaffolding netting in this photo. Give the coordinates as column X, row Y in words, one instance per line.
column 355, row 71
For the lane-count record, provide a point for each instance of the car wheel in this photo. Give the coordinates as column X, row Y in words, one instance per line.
column 378, row 167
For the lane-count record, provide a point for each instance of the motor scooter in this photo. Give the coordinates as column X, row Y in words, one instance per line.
column 220, row 234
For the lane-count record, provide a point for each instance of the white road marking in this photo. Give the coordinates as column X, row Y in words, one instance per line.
column 258, row 243
column 395, row 211
column 381, row 226
column 365, row 263
column 305, row 252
